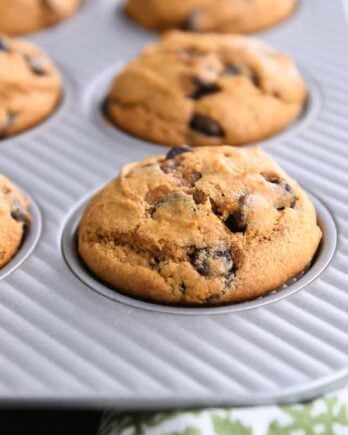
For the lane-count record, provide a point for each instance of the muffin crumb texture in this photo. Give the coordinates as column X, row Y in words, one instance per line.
column 199, row 227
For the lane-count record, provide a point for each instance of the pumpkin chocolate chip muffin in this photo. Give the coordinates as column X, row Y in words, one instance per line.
column 30, row 86
column 232, row 16
column 14, row 218
column 24, row 16
column 203, row 226
column 206, row 90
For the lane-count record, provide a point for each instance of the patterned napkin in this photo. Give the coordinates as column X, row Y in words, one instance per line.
column 324, row 416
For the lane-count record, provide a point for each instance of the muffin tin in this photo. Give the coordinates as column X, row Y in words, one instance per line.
column 67, row 339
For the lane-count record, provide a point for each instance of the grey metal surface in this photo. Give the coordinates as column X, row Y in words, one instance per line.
column 63, row 342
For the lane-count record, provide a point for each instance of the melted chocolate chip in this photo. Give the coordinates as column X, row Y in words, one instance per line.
column 215, row 209
column 288, row 198
column 199, row 196
column 174, row 152
column 192, row 22
column 10, row 119
column 288, row 188
column 182, row 288
column 48, row 4
column 242, row 70
column 212, row 262
column 207, row 126
column 154, row 196
column 104, row 107
column 271, row 178
column 203, row 89
column 35, row 65
column 19, row 213
column 189, row 53
column 189, row 178
column 233, row 70
column 4, row 46
column 237, row 221
column 169, row 166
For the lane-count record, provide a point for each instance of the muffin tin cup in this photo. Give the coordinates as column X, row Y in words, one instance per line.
column 68, row 339
column 320, row 262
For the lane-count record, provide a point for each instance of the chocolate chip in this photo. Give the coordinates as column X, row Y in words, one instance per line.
column 154, row 197
column 271, row 178
column 207, row 126
column 192, row 21
column 4, row 46
column 48, row 4
column 10, row 119
column 191, row 52
column 237, row 222
column 215, row 209
column 288, row 198
column 189, row 178
column 202, row 89
column 169, row 166
column 19, row 213
column 182, row 288
column 242, row 70
column 212, row 262
column 174, row 152
column 199, row 196
column 155, row 262
column 288, row 188
column 199, row 260
column 293, row 202
column 104, row 108
column 233, row 70
column 35, row 65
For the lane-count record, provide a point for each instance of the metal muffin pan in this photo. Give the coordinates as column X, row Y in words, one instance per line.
column 66, row 339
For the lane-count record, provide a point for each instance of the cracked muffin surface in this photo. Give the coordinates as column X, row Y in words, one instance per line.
column 24, row 16
column 30, row 86
column 233, row 16
column 14, row 218
column 206, row 90
column 203, row 226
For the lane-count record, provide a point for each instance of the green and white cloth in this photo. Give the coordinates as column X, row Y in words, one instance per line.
column 324, row 416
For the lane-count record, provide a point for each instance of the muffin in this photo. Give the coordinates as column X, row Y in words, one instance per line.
column 199, row 227
column 14, row 218
column 206, row 90
column 30, row 86
column 233, row 16
column 23, row 16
